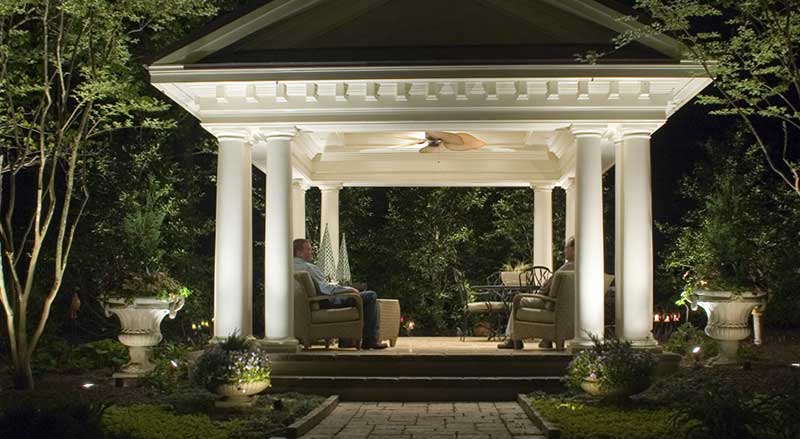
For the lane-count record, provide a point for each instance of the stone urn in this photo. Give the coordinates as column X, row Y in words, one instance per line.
column 239, row 395
column 510, row 278
column 592, row 387
column 727, row 319
column 141, row 328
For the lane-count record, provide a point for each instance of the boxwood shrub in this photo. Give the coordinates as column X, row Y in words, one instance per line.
column 147, row 421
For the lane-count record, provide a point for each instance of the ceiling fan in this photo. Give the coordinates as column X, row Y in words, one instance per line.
column 438, row 141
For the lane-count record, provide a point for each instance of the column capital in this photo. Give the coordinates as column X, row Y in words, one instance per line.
column 635, row 131
column 281, row 133
column 228, row 132
column 595, row 130
column 330, row 187
column 537, row 187
column 300, row 184
column 242, row 135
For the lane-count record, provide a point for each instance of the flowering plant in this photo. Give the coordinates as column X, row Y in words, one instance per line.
column 235, row 361
column 613, row 364
column 408, row 325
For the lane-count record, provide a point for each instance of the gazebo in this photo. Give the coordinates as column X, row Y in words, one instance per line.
column 333, row 94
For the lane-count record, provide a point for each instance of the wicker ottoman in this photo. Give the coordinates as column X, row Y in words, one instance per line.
column 388, row 320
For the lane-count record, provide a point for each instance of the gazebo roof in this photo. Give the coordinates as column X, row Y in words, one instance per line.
column 362, row 79
column 416, row 32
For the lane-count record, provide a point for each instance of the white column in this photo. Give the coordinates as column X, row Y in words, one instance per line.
column 634, row 241
column 588, row 235
column 299, row 188
column 233, row 261
column 543, row 226
column 569, row 214
column 329, row 213
column 278, row 282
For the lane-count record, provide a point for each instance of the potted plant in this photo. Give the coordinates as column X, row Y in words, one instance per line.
column 510, row 273
column 145, row 293
column 141, row 303
column 720, row 268
column 611, row 368
column 235, row 369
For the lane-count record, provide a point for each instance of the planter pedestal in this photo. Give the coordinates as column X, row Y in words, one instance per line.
column 727, row 319
column 141, row 330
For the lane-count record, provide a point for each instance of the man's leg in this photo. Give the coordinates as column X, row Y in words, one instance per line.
column 509, row 343
column 341, row 302
column 370, row 301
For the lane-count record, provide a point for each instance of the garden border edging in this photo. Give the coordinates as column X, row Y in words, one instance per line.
column 550, row 430
column 314, row 417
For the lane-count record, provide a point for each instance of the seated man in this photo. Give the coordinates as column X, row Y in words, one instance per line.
column 569, row 255
column 303, row 254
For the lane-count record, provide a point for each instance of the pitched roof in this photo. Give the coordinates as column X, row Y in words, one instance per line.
column 404, row 32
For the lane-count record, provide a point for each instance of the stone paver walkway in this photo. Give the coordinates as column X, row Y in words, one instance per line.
column 423, row 420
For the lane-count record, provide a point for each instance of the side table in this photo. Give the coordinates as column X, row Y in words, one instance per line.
column 388, row 320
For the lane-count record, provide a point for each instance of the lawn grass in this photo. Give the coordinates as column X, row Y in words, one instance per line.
column 584, row 418
column 191, row 416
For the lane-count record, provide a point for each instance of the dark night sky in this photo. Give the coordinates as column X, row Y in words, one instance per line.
column 675, row 150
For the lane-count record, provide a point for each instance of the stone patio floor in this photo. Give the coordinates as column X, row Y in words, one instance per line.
column 426, row 420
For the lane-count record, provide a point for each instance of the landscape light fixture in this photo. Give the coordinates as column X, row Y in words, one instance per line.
column 696, row 356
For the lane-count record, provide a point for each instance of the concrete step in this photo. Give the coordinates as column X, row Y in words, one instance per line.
column 419, row 365
column 417, row 388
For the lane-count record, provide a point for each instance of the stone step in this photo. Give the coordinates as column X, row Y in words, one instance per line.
column 419, row 365
column 417, row 388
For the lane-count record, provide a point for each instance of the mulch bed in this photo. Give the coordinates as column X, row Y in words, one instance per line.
column 770, row 372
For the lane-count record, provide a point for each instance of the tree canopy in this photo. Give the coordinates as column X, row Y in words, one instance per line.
column 750, row 50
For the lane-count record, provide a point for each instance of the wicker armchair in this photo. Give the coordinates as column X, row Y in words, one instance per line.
column 556, row 319
column 312, row 322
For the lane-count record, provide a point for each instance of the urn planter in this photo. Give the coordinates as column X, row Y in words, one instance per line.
column 727, row 319
column 593, row 388
column 510, row 278
column 239, row 395
column 140, row 320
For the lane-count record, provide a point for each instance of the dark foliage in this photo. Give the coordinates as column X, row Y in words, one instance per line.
column 67, row 417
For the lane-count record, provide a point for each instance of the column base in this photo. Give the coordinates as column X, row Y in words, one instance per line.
column 648, row 344
column 283, row 345
column 219, row 339
column 579, row 344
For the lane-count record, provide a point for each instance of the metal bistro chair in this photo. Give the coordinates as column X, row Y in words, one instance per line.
column 472, row 303
column 534, row 277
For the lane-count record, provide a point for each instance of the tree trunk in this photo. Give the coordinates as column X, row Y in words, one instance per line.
column 23, row 377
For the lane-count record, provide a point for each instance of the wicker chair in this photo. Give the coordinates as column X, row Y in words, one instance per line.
column 556, row 319
column 312, row 322
column 476, row 302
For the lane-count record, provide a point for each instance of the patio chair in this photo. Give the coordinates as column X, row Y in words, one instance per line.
column 314, row 322
column 556, row 319
column 535, row 277
column 478, row 302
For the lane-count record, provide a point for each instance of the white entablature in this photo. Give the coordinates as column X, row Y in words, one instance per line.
column 361, row 131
